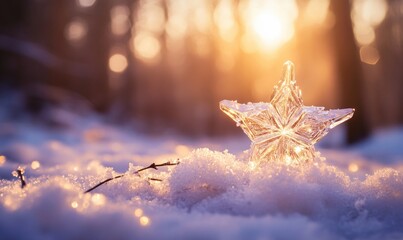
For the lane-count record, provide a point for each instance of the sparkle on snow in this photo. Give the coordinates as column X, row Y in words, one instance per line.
column 284, row 130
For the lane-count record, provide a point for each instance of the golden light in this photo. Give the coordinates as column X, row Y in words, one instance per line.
column 118, row 63
column 352, row 167
column 146, row 47
column 138, row 212
column 144, row 221
column 120, row 23
column 35, row 165
column 270, row 24
column 76, row 30
column 85, row 3
column 2, row 160
column 369, row 55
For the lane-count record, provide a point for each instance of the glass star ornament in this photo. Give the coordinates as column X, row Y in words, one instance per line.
column 284, row 130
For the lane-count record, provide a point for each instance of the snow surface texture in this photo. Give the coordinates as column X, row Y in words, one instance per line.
column 209, row 195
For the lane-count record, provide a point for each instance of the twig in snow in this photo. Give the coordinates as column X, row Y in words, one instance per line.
column 153, row 165
column 19, row 173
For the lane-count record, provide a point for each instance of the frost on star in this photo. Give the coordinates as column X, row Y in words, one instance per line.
column 284, row 130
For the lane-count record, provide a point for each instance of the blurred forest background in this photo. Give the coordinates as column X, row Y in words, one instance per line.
column 166, row 64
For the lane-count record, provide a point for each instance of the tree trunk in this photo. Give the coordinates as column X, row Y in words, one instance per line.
column 349, row 71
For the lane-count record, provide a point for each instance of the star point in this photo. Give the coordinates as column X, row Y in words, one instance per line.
column 284, row 130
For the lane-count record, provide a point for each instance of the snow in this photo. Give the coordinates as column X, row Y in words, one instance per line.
column 356, row 193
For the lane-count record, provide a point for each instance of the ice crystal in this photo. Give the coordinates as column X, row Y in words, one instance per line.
column 284, row 130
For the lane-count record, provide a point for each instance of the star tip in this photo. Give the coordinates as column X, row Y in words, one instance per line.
column 288, row 71
column 288, row 63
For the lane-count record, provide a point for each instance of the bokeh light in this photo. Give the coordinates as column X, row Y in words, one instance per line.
column 369, row 55
column 86, row 3
column 371, row 12
column 120, row 22
column 76, row 30
column 118, row 63
column 316, row 11
column 144, row 221
column 353, row 167
column 74, row 204
column 35, row 165
column 98, row 199
column 146, row 47
column 138, row 212
column 366, row 16
column 2, row 160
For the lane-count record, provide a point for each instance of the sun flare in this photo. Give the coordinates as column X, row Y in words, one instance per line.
column 270, row 25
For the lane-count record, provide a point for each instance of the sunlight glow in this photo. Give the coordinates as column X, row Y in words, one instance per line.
column 270, row 23
column 269, row 28
column 118, row 63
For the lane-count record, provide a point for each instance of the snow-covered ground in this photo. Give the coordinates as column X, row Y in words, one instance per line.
column 214, row 193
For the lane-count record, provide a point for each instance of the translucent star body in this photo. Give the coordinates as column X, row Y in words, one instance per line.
column 284, row 130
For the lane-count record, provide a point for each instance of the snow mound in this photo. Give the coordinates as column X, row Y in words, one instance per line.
column 209, row 195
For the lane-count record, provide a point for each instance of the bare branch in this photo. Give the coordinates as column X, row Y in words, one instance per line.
column 153, row 166
column 19, row 173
